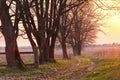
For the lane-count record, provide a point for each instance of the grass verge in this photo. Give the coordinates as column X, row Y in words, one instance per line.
column 107, row 69
column 83, row 62
column 32, row 72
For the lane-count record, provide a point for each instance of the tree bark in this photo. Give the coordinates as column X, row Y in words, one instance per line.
column 52, row 47
column 64, row 50
column 76, row 50
column 12, row 53
column 36, row 56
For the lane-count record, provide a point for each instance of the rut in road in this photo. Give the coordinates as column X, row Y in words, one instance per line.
column 68, row 70
column 82, row 72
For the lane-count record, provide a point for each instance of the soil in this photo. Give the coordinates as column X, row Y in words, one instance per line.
column 57, row 73
column 82, row 72
column 75, row 76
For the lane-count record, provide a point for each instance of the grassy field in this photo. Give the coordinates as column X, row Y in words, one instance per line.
column 32, row 73
column 106, row 69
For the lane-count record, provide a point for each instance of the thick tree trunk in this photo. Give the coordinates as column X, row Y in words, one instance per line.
column 76, row 50
column 80, row 49
column 34, row 47
column 52, row 47
column 47, row 50
column 1, row 7
column 17, row 56
column 12, row 53
column 36, row 56
column 51, row 54
column 42, row 52
column 64, row 50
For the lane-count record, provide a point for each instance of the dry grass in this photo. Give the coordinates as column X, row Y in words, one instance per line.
column 108, row 52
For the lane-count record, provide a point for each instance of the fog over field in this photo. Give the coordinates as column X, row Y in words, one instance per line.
column 91, row 49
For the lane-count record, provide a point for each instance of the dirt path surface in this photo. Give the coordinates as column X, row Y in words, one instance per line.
column 58, row 73
column 82, row 72
column 2, row 78
column 68, row 70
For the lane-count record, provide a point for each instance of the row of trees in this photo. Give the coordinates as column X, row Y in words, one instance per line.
column 43, row 21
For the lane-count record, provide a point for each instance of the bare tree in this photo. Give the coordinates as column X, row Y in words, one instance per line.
column 10, row 33
column 65, row 25
column 44, row 29
column 84, row 29
column 46, row 26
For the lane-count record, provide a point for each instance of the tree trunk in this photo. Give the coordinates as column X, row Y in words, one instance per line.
column 52, row 47
column 47, row 50
column 80, row 49
column 35, row 49
column 36, row 57
column 42, row 51
column 32, row 42
column 12, row 53
column 1, row 7
column 17, row 56
column 64, row 50
column 76, row 50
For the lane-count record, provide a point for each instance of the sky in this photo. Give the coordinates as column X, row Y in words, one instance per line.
column 20, row 41
column 110, row 34
column 111, row 31
column 111, row 26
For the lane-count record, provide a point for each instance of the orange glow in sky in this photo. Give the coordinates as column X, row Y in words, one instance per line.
column 112, row 31
column 111, row 27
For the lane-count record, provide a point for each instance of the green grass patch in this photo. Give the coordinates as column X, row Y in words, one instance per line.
column 83, row 62
column 30, row 71
column 107, row 69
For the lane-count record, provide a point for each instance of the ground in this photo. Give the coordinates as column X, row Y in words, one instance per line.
column 77, row 68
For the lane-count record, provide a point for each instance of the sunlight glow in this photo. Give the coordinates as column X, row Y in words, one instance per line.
column 112, row 31
column 111, row 27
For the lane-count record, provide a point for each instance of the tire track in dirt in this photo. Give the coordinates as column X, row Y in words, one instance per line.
column 72, row 68
column 82, row 72
column 59, row 72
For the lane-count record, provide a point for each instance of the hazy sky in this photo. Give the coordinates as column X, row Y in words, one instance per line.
column 112, row 31
column 111, row 26
column 21, row 42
